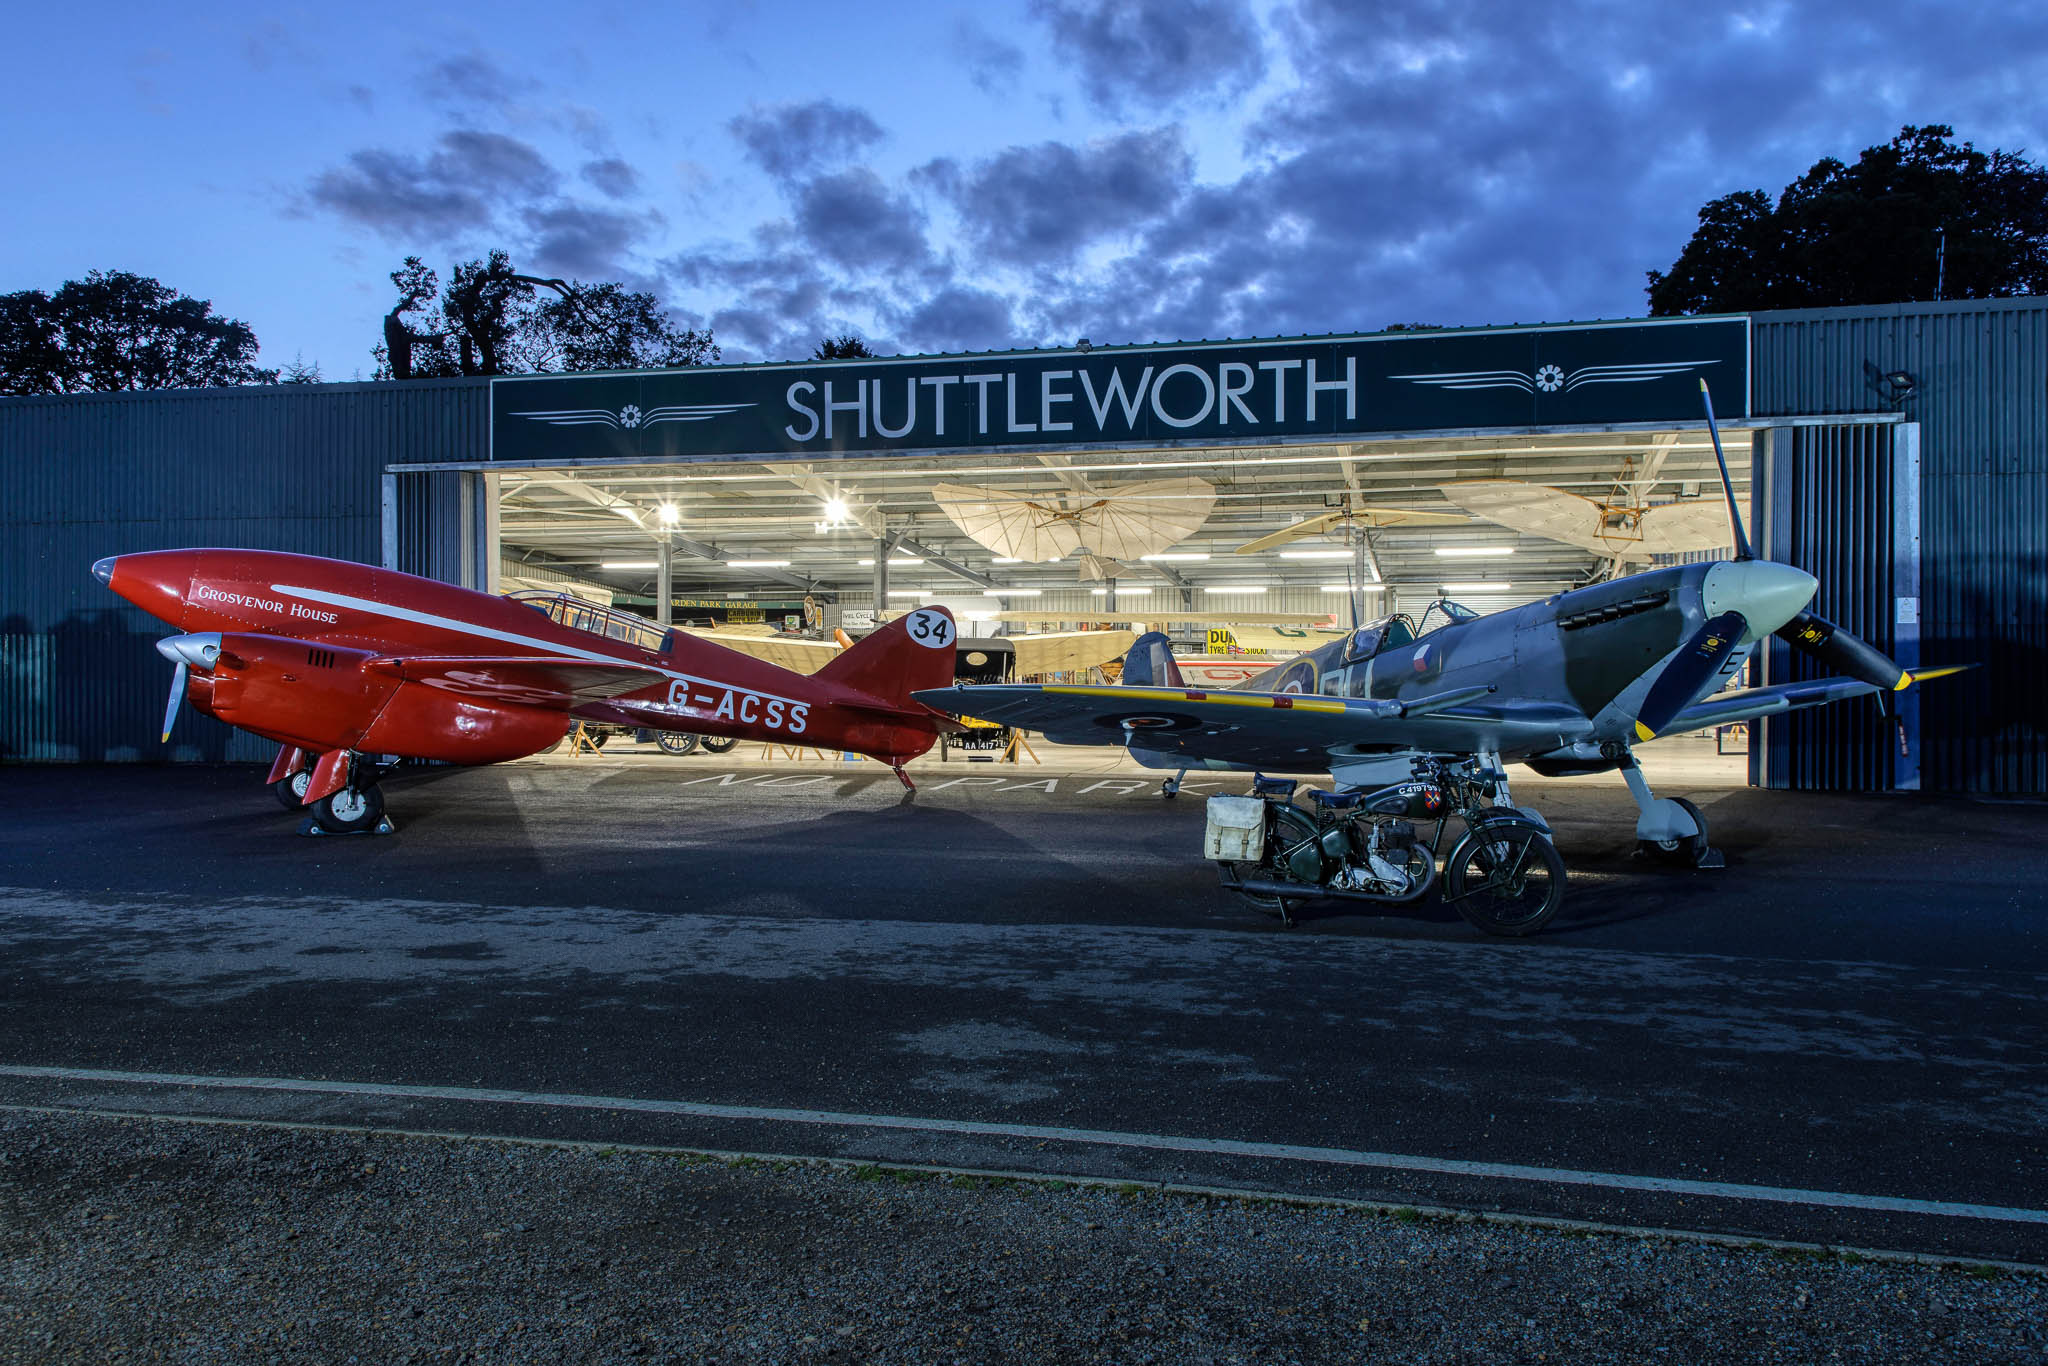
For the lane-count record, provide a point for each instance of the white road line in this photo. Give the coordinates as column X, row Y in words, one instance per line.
column 1286, row 1152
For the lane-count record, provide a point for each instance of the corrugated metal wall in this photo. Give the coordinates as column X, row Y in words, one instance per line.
column 1831, row 499
column 287, row 467
column 1981, row 399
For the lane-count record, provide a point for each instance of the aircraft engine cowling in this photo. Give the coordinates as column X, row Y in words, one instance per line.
column 318, row 697
column 327, row 697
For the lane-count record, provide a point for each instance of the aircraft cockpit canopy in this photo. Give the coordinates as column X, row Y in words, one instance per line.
column 581, row 614
column 1375, row 636
column 1441, row 613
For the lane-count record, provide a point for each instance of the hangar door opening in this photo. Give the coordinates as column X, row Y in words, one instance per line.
column 1261, row 551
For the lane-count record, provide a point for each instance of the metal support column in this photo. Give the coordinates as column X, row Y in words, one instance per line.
column 1907, row 610
column 664, row 583
column 882, row 547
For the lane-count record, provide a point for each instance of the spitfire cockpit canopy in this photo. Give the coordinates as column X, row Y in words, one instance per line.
column 1385, row 634
column 1441, row 613
column 581, row 614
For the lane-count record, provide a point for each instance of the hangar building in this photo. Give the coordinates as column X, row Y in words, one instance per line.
column 1900, row 453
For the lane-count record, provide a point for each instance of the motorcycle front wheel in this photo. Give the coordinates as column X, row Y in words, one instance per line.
column 1505, row 878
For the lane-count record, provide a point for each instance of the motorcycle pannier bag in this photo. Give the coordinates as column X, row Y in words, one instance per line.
column 1236, row 832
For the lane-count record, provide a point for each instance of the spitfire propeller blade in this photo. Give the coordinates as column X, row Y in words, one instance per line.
column 1688, row 673
column 1815, row 636
column 198, row 650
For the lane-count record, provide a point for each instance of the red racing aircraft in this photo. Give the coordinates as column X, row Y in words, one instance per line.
column 341, row 663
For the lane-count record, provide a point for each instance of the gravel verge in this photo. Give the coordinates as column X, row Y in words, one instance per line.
column 150, row 1240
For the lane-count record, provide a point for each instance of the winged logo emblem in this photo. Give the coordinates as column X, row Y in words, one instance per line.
column 632, row 415
column 1550, row 379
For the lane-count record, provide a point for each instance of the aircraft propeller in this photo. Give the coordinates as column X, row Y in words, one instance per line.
column 1688, row 672
column 198, row 650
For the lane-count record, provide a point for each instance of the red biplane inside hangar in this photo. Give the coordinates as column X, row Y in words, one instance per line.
column 342, row 663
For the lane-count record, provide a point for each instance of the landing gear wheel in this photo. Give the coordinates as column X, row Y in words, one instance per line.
column 595, row 737
column 718, row 744
column 1683, row 852
column 1170, row 788
column 1507, row 880
column 350, row 810
column 290, row 790
column 675, row 742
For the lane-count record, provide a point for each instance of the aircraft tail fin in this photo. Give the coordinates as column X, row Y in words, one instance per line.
column 914, row 651
column 1150, row 663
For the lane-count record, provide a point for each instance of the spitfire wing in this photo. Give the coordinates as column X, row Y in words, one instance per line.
column 539, row 681
column 1696, row 524
column 1534, row 508
column 1285, row 731
column 1747, row 704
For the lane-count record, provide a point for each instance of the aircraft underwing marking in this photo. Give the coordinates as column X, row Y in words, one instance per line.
column 1295, row 703
column 1290, row 1152
column 382, row 609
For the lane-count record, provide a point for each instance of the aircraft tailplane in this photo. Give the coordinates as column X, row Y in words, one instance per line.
column 914, row 651
column 1150, row 663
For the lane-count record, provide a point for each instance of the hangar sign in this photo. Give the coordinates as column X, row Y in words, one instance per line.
column 1591, row 375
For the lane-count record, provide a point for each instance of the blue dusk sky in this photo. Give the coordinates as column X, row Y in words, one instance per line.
column 939, row 177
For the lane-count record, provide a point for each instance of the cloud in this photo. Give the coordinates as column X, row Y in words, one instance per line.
column 1040, row 205
column 791, row 140
column 961, row 318
column 854, row 220
column 476, row 79
column 611, row 176
column 1148, row 53
column 584, row 242
column 454, row 188
column 993, row 64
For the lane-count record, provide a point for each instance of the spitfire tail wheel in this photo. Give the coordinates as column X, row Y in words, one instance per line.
column 718, row 744
column 1505, row 878
column 675, row 742
column 350, row 810
column 290, row 790
column 1683, row 852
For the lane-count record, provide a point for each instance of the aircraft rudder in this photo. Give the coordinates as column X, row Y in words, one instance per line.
column 1149, row 663
column 914, row 651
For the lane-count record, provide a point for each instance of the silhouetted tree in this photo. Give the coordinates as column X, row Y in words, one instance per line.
column 496, row 321
column 116, row 330
column 1922, row 217
column 848, row 347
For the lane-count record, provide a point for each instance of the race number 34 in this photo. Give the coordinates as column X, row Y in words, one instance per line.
column 930, row 629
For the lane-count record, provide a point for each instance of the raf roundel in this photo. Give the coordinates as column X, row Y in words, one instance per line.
column 933, row 630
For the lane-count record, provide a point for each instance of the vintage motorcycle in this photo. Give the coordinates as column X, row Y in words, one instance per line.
column 1503, row 874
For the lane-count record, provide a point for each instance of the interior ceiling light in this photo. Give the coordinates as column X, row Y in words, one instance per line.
column 757, row 564
column 1361, row 588
column 1474, row 552
column 910, row 592
column 1006, row 559
column 1122, row 592
column 1476, row 587
column 630, row 564
column 835, row 509
column 1235, row 588
column 1178, row 557
column 1315, row 554
column 1012, row 592
column 670, row 514
column 893, row 559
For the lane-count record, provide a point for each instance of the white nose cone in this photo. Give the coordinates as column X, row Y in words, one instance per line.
column 1767, row 594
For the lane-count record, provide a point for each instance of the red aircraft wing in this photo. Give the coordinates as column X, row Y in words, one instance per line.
column 538, row 681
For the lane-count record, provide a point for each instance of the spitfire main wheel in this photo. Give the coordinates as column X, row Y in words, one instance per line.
column 1506, row 879
column 1685, row 851
column 675, row 742
column 350, row 810
column 718, row 744
column 290, row 790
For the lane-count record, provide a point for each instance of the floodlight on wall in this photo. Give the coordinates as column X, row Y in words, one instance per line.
column 1901, row 383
